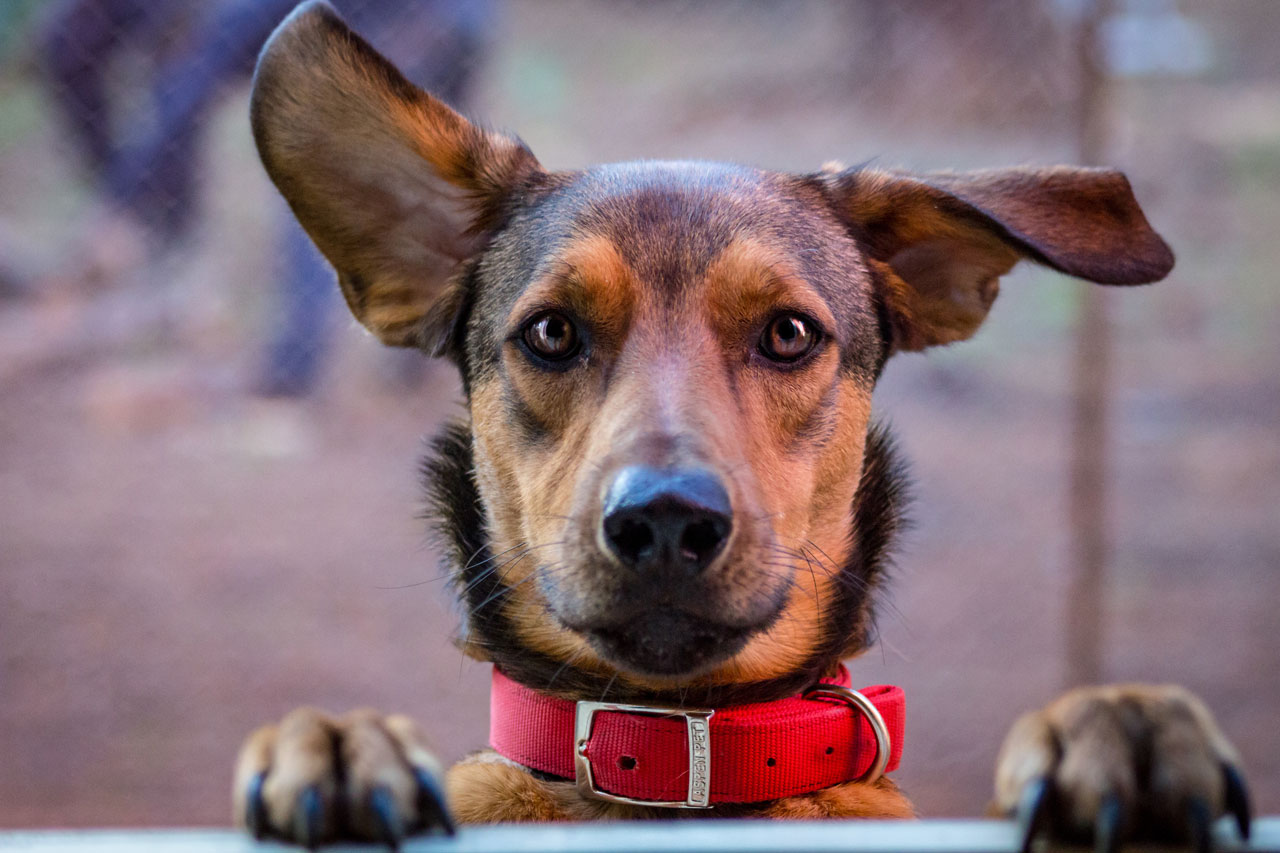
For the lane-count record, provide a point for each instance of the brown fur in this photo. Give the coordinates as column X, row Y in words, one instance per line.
column 453, row 239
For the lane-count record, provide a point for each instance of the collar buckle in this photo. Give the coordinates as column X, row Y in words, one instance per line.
column 697, row 723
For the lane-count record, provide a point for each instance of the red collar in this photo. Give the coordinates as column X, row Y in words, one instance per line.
column 652, row 755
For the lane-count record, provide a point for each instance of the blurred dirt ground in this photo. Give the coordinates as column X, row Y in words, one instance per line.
column 181, row 561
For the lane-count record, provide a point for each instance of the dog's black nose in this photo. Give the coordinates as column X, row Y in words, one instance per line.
column 672, row 520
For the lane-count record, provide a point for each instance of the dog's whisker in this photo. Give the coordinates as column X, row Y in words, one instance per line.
column 502, row 567
column 436, row 579
column 490, row 573
column 470, row 564
column 813, row 575
column 523, row 545
column 503, row 591
column 485, row 575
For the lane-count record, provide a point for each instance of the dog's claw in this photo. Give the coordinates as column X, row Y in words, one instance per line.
column 1237, row 799
column 1199, row 826
column 255, row 813
column 431, row 802
column 1106, row 829
column 1033, row 809
column 308, row 821
column 387, row 817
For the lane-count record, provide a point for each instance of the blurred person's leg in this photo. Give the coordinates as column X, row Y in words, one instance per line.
column 299, row 319
column 81, row 41
column 79, row 38
column 155, row 175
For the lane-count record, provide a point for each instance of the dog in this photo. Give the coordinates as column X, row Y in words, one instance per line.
column 669, row 494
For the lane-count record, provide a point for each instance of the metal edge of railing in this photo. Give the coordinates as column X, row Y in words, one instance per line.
column 703, row 836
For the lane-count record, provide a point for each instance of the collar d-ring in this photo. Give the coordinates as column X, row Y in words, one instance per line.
column 861, row 703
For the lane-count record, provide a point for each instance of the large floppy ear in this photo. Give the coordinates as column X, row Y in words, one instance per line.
column 396, row 189
column 939, row 242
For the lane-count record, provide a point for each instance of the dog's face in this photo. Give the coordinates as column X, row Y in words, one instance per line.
column 669, row 366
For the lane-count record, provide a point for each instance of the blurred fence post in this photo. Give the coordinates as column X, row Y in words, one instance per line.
column 1089, row 498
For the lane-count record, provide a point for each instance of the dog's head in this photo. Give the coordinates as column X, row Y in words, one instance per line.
column 669, row 366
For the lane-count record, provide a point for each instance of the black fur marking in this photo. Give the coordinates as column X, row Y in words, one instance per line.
column 454, row 503
column 818, row 428
column 523, row 418
column 884, row 324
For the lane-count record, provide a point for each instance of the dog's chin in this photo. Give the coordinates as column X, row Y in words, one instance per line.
column 668, row 644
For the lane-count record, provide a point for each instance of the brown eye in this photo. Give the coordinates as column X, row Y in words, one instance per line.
column 788, row 337
column 552, row 336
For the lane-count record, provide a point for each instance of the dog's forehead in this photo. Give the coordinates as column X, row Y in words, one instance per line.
column 621, row 179
column 681, row 213
column 669, row 222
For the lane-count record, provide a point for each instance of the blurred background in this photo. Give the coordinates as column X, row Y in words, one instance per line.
column 207, row 472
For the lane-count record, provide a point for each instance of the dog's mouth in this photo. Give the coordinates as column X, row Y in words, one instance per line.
column 668, row 642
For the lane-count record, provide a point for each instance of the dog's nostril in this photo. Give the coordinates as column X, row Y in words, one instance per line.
column 631, row 538
column 701, row 540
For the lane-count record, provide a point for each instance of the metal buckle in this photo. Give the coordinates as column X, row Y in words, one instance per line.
column 699, row 732
column 856, row 700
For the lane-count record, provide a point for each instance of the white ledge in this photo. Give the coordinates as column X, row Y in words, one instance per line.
column 689, row 836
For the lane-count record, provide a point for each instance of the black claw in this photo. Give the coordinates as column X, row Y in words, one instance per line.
column 308, row 820
column 387, row 816
column 1033, row 810
column 1237, row 799
column 255, row 814
column 1106, row 830
column 431, row 802
column 1199, row 825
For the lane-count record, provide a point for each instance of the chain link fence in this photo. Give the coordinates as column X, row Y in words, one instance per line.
column 207, row 491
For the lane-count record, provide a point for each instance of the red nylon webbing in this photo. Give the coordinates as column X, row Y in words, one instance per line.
column 758, row 752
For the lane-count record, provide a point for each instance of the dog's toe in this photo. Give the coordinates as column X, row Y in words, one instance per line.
column 309, row 814
column 313, row 778
column 431, row 802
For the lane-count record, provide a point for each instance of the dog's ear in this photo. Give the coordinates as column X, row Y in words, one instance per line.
column 396, row 188
column 940, row 242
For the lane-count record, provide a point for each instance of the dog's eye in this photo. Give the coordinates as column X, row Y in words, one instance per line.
column 788, row 337
column 552, row 336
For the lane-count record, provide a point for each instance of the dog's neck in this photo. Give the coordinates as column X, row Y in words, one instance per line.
column 454, row 505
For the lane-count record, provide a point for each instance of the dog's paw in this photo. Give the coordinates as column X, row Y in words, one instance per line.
column 312, row 778
column 1121, row 762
